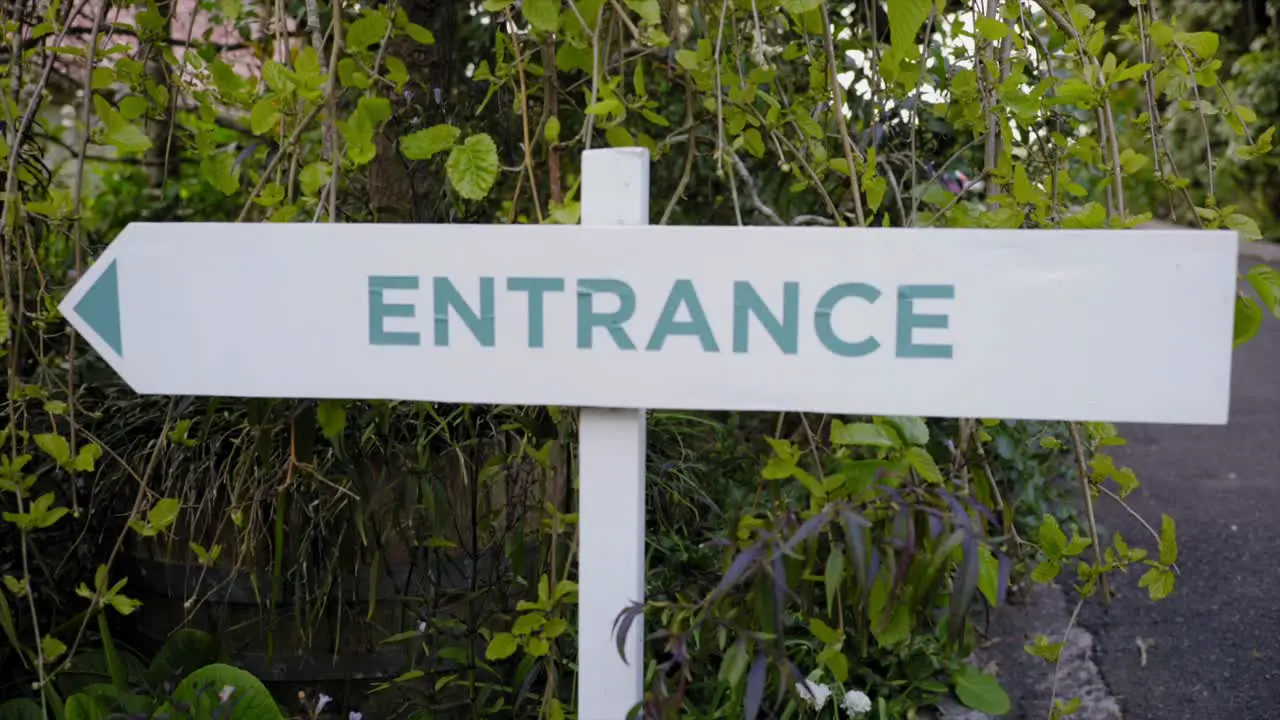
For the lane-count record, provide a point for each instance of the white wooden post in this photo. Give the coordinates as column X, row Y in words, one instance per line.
column 611, row 473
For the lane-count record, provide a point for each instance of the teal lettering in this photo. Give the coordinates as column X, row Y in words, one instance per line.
column 822, row 320
column 909, row 321
column 589, row 319
column 747, row 302
column 683, row 293
column 480, row 324
column 537, row 288
column 379, row 310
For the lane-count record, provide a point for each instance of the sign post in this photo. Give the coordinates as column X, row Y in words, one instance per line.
column 611, row 474
column 614, row 317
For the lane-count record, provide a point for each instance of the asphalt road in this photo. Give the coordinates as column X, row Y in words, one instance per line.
column 1213, row 647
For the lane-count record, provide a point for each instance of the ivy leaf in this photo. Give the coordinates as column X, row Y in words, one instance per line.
column 1248, row 320
column 265, row 115
column 1266, row 282
column 367, row 31
column 472, row 167
column 542, row 14
column 980, row 691
column 423, row 144
column 906, row 17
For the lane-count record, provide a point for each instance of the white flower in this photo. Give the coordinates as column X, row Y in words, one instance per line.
column 422, row 626
column 813, row 693
column 353, row 715
column 225, row 695
column 856, row 703
column 324, row 700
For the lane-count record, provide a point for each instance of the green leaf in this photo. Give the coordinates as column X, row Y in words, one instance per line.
column 221, row 170
column 351, row 75
column 1024, row 192
column 55, row 446
column 648, row 10
column 922, row 462
column 1248, row 320
column 265, row 115
column 800, row 7
column 332, row 416
column 472, row 167
column 119, row 133
column 618, row 136
column 313, row 177
column 357, row 131
column 833, row 576
column 1158, row 582
column 397, row 73
column 912, row 430
column 551, row 131
column 1245, row 225
column 991, row 28
column 988, row 575
column 906, row 17
column 423, row 144
column 875, row 187
column 1091, row 217
column 688, row 59
column 980, row 691
column 199, row 692
column 376, row 109
column 133, row 107
column 501, row 647
column 368, row 30
column 102, row 77
column 1203, row 44
column 1168, row 540
column 1053, row 542
column 51, row 648
column 860, row 434
column 753, row 142
column 164, row 513
column 185, row 650
column 826, row 634
column 542, row 14
column 419, row 34
column 1266, row 282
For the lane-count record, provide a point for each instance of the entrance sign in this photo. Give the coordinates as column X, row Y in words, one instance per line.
column 614, row 317
column 1125, row 326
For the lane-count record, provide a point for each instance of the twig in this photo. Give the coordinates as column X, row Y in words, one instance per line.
column 1083, row 468
column 756, row 202
column 1057, row 666
column 837, row 99
column 275, row 160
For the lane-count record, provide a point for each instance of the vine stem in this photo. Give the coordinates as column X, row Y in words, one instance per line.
column 837, row 99
column 266, row 173
column 77, row 192
column 1083, row 468
column 1057, row 666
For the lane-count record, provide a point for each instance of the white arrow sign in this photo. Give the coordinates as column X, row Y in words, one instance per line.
column 1075, row 325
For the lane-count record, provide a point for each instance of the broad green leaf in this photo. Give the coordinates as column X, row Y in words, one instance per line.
column 265, row 115
column 1158, row 582
column 313, row 177
column 833, row 576
column 1091, row 217
column 102, row 77
column 55, row 446
column 823, row 632
column 357, row 130
column 419, row 34
column 1245, row 225
column 988, row 575
column 221, row 170
column 906, row 17
column 991, row 28
column 332, row 416
column 551, row 132
column 118, row 132
column 376, row 109
column 368, row 30
column 1266, row 282
column 648, row 10
column 52, row 648
column 278, row 77
column 1052, row 540
column 980, row 691
column 1133, row 161
column 1024, row 192
column 164, row 513
column 423, row 144
column 472, row 167
column 618, row 136
column 501, row 647
column 753, row 142
column 133, row 107
column 397, row 73
column 1203, row 44
column 542, row 14
column 199, row 694
column 913, row 430
column 1248, row 320
column 351, row 75
column 800, row 7
column 875, row 187
column 860, row 434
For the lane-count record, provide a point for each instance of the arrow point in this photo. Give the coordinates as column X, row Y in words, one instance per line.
column 100, row 308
